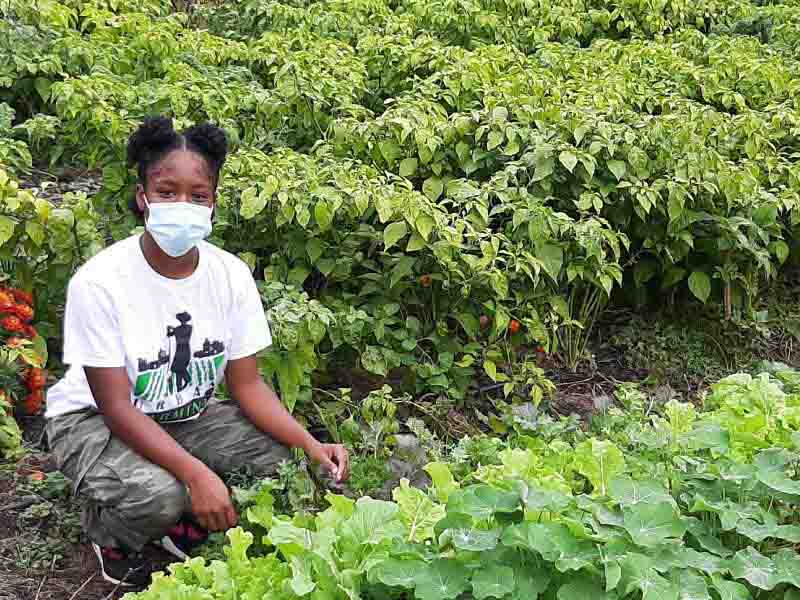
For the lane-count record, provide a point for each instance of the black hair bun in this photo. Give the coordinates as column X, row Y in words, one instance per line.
column 152, row 137
column 210, row 140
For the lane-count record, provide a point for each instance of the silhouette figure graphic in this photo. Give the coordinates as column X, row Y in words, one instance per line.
column 183, row 352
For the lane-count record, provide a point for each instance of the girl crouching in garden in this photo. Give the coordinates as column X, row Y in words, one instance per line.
column 152, row 326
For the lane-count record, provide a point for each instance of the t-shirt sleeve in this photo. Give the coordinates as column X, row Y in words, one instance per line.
column 92, row 335
column 249, row 323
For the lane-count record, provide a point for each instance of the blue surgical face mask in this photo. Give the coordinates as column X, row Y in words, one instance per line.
column 177, row 227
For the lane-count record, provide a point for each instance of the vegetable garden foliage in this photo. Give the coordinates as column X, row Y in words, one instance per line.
column 682, row 504
column 441, row 169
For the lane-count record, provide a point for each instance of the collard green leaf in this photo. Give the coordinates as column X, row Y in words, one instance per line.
column 443, row 481
column 651, row 524
column 599, row 461
column 417, row 511
column 373, row 522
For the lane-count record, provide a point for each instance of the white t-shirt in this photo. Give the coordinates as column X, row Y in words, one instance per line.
column 173, row 336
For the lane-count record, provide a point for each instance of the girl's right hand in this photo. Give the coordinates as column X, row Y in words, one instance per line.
column 211, row 502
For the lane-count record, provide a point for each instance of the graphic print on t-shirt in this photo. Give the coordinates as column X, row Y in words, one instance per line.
column 178, row 385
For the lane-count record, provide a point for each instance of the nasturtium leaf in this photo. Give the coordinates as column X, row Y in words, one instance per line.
column 492, row 581
column 398, row 573
column 755, row 568
column 473, row 540
column 599, row 461
column 482, row 501
column 629, row 492
column 568, row 159
column 787, row 561
column 771, row 468
column 408, row 166
column 432, row 187
column 730, row 590
column 443, row 579
column 584, row 587
column 393, row 233
column 692, row 586
column 551, row 540
column 618, row 168
column 443, row 481
column 651, row 524
column 417, row 511
column 541, row 499
column 700, row 285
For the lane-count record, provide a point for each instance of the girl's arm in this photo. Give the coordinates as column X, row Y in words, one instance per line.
column 209, row 496
column 261, row 405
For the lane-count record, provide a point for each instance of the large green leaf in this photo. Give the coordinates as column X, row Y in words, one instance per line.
column 584, row 587
column 417, row 511
column 373, row 522
column 771, row 467
column 700, row 285
column 393, row 233
column 629, row 492
column 441, row 580
column 651, row 524
column 599, row 461
column 493, row 581
column 755, row 568
column 483, row 501
column 398, row 573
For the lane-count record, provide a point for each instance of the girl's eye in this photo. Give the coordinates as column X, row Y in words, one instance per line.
column 200, row 199
column 166, row 193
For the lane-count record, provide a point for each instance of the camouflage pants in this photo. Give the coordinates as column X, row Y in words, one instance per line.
column 131, row 501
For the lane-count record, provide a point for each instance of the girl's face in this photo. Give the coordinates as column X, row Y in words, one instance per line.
column 181, row 176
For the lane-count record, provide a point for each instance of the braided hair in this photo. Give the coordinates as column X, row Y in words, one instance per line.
column 156, row 137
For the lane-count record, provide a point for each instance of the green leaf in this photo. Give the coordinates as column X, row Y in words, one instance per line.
column 301, row 582
column 483, row 501
column 495, row 139
column 598, row 461
column 651, row 524
column 394, row 233
column 569, row 160
column 424, row 225
column 552, row 258
column 6, row 229
column 700, row 285
column 473, row 540
column 755, row 568
column 373, row 521
column 323, row 214
column 443, row 481
column 628, row 492
column 408, row 167
column 618, row 168
column 771, row 470
column 250, row 204
column 398, row 573
column 780, row 249
column 491, row 369
column 730, row 590
column 418, row 512
column 442, row 580
column 584, row 588
column 494, row 581
column 432, row 187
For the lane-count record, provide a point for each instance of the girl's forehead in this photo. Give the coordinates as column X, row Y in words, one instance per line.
column 181, row 164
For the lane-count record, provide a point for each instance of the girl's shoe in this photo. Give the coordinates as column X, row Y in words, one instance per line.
column 182, row 538
column 125, row 569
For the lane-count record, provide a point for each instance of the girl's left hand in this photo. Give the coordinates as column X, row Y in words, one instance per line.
column 333, row 457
